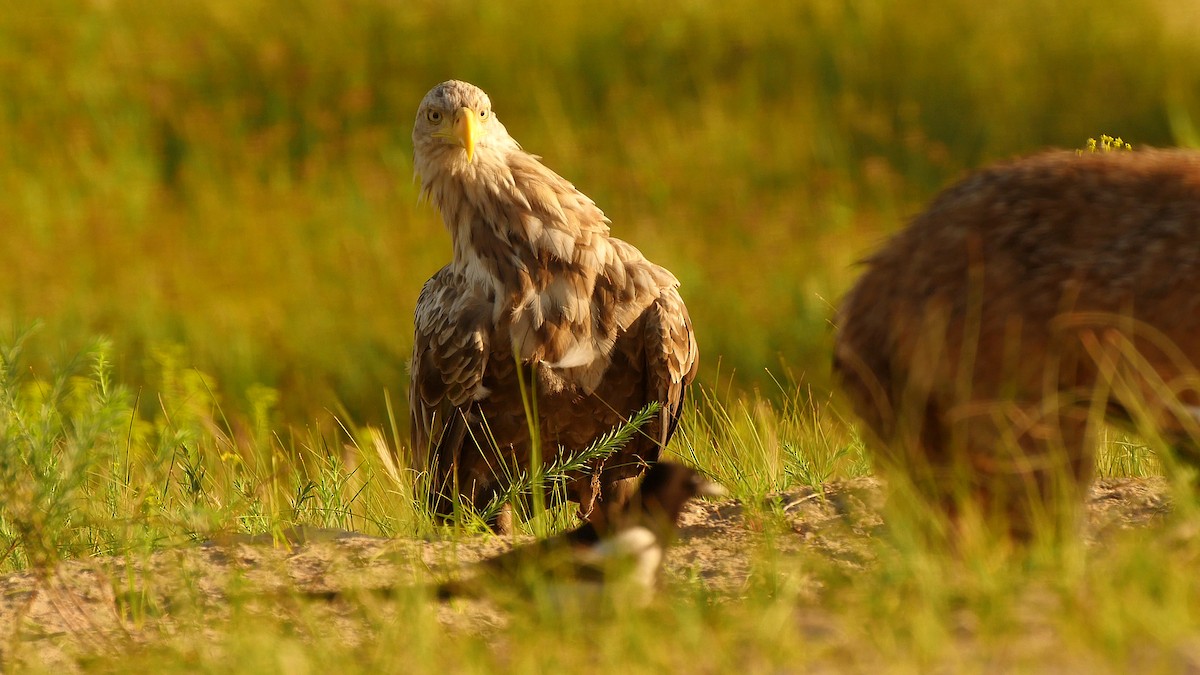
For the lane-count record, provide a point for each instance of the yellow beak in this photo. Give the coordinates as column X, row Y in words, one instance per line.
column 466, row 130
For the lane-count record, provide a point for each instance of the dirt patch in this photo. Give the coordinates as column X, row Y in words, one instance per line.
column 101, row 606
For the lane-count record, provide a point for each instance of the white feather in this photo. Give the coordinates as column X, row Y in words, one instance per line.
column 637, row 544
column 583, row 353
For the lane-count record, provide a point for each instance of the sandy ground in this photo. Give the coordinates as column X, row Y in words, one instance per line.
column 101, row 606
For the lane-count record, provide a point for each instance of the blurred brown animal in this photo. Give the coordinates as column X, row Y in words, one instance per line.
column 1030, row 301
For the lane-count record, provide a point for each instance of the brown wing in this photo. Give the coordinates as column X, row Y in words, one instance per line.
column 450, row 352
column 671, row 358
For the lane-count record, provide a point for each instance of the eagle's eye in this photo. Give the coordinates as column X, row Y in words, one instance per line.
column 483, row 114
column 434, row 116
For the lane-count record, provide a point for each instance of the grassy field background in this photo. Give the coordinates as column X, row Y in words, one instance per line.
column 229, row 184
column 213, row 247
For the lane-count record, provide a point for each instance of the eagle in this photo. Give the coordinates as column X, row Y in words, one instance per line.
column 540, row 308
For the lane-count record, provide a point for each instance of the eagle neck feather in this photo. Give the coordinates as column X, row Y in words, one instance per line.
column 562, row 286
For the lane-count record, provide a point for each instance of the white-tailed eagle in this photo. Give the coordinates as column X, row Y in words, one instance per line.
column 537, row 289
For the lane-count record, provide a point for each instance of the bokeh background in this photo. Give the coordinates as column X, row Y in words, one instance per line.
column 225, row 188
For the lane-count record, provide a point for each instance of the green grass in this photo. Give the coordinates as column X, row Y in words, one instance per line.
column 223, row 190
column 88, row 473
column 85, row 474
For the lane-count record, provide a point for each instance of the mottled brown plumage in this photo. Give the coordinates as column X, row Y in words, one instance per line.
column 536, row 279
column 1028, row 302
